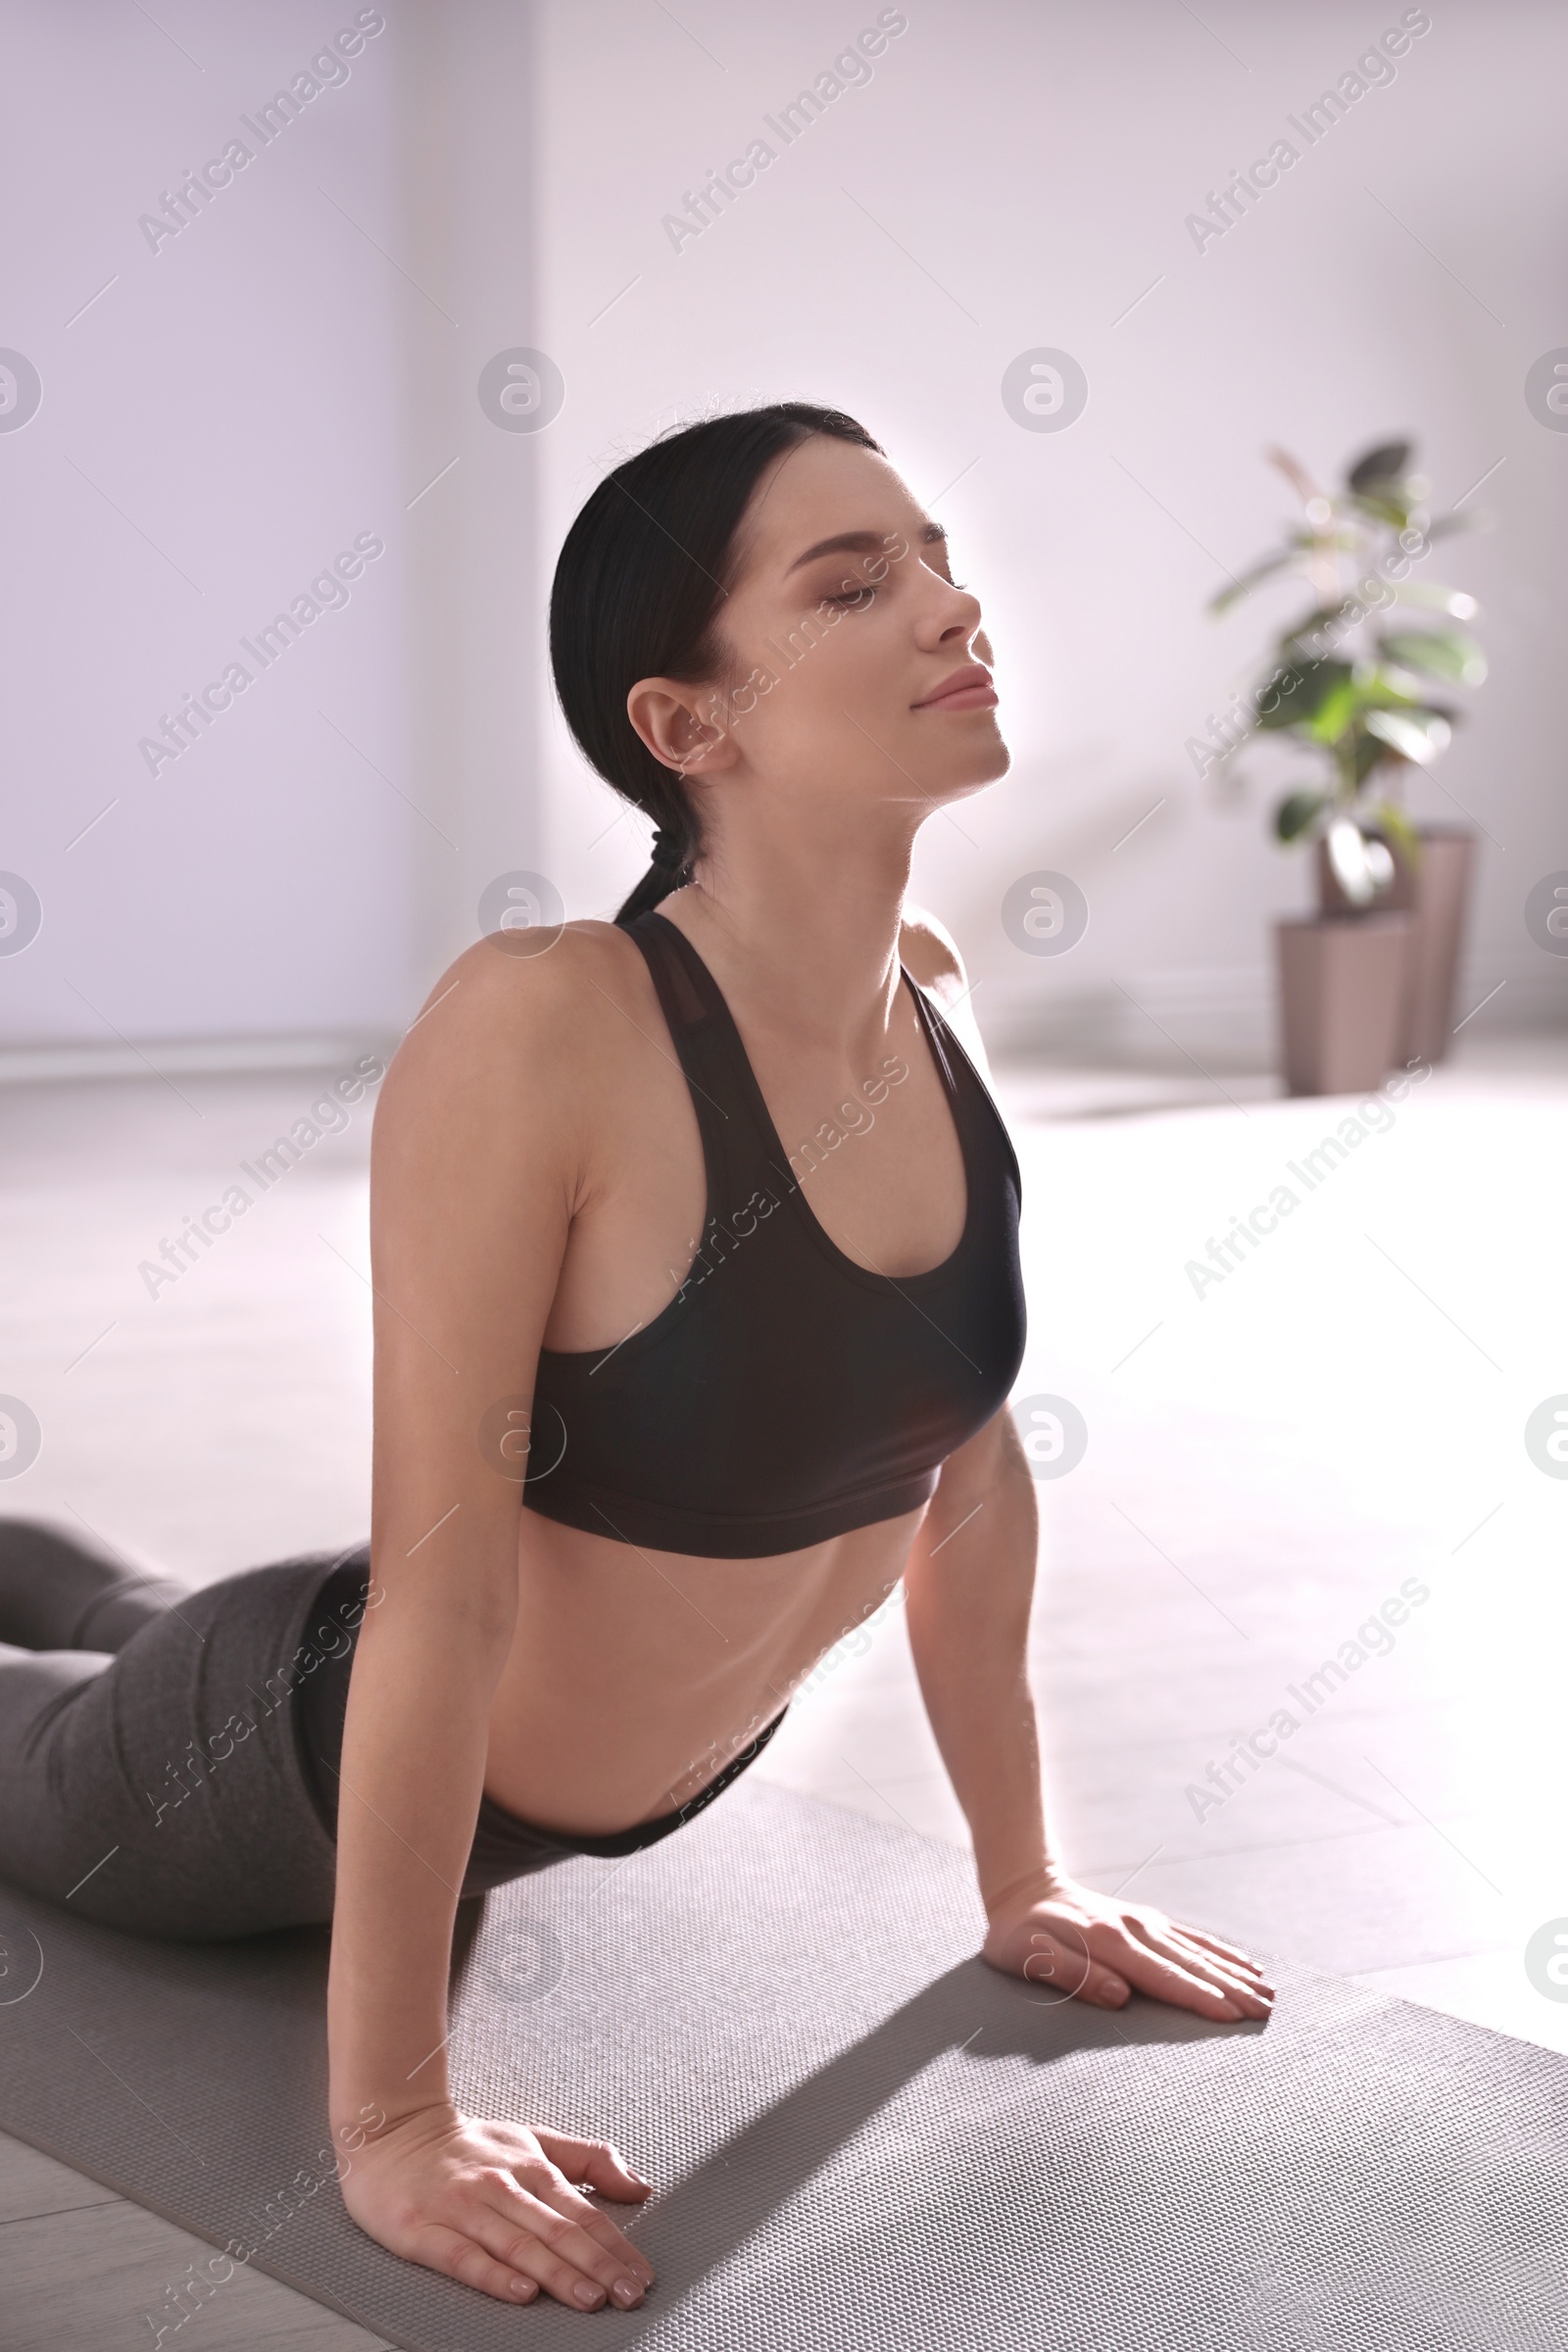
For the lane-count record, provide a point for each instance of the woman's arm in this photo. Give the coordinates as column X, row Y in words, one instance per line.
column 969, row 1585
column 968, row 1588
column 475, row 1161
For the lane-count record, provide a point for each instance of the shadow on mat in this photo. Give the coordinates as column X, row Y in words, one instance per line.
column 695, row 2226
column 276, row 1984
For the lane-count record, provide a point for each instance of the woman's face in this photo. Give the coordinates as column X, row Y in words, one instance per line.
column 845, row 624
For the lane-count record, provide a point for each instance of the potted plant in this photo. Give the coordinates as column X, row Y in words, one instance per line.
column 1370, row 982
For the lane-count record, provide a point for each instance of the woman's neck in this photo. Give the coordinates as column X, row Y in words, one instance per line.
column 802, row 934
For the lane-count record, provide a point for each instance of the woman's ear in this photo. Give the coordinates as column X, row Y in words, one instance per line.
column 682, row 725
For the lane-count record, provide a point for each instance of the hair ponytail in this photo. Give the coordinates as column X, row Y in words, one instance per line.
column 674, row 852
column 636, row 594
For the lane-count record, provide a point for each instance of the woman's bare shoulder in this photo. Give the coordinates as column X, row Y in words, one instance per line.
column 929, row 952
column 519, row 1018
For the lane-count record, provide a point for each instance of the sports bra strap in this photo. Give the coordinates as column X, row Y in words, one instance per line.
column 712, row 1057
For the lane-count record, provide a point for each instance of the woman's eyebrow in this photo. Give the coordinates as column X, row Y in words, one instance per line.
column 861, row 543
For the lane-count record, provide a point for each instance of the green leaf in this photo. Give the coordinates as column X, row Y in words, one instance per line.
column 1390, row 689
column 1393, row 820
column 1385, row 462
column 1418, row 735
column 1336, row 710
column 1268, row 569
column 1388, row 504
column 1451, row 526
column 1298, row 690
column 1301, row 643
column 1296, row 811
column 1452, row 601
column 1319, row 617
column 1367, row 752
column 1438, row 654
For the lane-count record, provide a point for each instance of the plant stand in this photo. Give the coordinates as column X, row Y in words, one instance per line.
column 1344, row 987
column 1435, row 894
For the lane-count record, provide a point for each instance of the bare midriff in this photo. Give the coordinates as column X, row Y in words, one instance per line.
column 635, row 1676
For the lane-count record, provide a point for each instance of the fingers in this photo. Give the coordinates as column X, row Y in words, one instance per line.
column 1105, row 1988
column 595, row 2161
column 1063, row 1961
column 1144, row 1949
column 554, row 2235
column 459, row 2257
column 1192, row 1981
column 502, row 2218
column 1226, row 1951
column 525, row 2235
column 592, row 2161
column 1254, row 1998
column 1241, row 1979
column 1140, row 1949
column 1210, row 1960
column 561, row 2258
column 1151, row 1924
column 619, row 2250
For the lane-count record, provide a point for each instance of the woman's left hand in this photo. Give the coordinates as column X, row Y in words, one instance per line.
column 1093, row 1947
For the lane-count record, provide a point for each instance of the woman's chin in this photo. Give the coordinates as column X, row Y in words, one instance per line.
column 976, row 775
column 993, row 756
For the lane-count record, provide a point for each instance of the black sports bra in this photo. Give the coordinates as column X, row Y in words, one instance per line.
column 785, row 1394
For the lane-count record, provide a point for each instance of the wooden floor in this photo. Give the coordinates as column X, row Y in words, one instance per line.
column 83, row 2271
column 1267, row 1461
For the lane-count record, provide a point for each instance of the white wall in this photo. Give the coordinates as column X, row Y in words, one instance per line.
column 215, row 428
column 235, row 407
column 1028, row 171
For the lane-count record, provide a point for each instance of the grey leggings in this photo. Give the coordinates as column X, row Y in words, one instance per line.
column 169, row 1758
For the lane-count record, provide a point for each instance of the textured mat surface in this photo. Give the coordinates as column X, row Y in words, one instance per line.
column 861, row 2135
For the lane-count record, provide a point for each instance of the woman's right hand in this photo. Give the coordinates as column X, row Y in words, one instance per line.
column 494, row 2205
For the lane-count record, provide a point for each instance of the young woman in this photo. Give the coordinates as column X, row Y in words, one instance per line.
column 694, row 1246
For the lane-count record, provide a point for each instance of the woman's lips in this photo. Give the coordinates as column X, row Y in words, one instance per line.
column 969, row 689
column 963, row 698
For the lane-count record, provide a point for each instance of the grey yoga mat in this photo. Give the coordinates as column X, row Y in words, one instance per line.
column 861, row 2135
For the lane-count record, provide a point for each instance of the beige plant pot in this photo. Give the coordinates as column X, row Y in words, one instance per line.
column 1344, row 985
column 1434, row 893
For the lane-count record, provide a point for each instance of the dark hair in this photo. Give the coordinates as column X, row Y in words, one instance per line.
column 640, row 578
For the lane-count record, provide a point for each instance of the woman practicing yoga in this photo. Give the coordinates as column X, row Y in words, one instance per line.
column 694, row 1243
